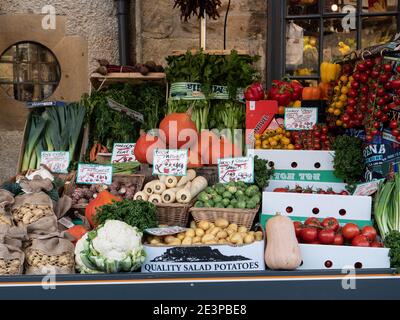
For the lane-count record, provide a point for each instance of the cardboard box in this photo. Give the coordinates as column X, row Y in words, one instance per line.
column 300, row 206
column 215, row 258
column 259, row 115
column 320, row 257
column 300, row 166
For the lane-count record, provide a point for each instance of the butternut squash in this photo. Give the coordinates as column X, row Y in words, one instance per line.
column 282, row 251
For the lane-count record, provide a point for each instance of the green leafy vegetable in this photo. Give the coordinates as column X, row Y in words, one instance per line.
column 392, row 241
column 262, row 173
column 349, row 161
column 140, row 214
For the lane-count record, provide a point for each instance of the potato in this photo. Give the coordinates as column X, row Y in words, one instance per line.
column 196, row 240
column 222, row 223
column 233, row 226
column 230, row 231
column 236, row 238
column 242, row 229
column 259, row 236
column 222, row 234
column 193, row 225
column 205, row 225
column 190, row 233
column 212, row 225
column 214, row 242
column 169, row 239
column 187, row 241
column 181, row 236
column 222, row 241
column 176, row 242
column 199, row 232
column 252, row 233
column 249, row 239
column 243, row 234
column 154, row 241
column 215, row 231
column 208, row 238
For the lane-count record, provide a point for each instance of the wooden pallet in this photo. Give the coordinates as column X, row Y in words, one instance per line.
column 99, row 81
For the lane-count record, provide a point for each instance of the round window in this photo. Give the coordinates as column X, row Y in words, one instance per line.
column 29, row 72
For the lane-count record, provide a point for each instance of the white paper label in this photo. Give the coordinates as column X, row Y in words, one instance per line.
column 123, row 152
column 300, row 118
column 94, row 174
column 236, row 169
column 170, row 162
column 368, row 189
column 58, row 161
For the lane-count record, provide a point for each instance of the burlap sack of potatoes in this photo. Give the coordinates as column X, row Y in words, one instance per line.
column 11, row 255
column 50, row 254
column 6, row 201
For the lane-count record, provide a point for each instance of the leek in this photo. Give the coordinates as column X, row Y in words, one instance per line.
column 37, row 126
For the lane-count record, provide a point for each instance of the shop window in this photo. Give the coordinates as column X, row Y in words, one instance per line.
column 303, row 33
column 29, row 72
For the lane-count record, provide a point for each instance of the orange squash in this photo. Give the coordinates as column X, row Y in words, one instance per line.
column 326, row 90
column 311, row 93
column 178, row 129
column 145, row 147
column 77, row 232
column 103, row 198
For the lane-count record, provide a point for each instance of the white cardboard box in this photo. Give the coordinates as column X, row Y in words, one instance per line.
column 320, row 257
column 300, row 206
column 215, row 258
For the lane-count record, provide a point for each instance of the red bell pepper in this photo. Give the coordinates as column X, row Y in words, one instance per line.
column 254, row 92
column 297, row 90
column 282, row 92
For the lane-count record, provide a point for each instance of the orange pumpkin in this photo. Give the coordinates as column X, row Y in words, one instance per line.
column 326, row 90
column 311, row 93
column 145, row 146
column 178, row 129
column 103, row 198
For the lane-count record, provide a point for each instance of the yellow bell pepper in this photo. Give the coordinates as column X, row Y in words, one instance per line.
column 330, row 72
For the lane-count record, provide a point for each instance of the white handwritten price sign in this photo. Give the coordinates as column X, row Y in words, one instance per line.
column 300, row 118
column 123, row 152
column 170, row 162
column 57, row 162
column 368, row 189
column 94, row 174
column 236, row 169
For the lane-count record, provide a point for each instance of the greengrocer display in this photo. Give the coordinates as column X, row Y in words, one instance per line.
column 215, row 171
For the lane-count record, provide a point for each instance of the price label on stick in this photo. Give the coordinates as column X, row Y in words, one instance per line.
column 123, row 152
column 297, row 119
column 94, row 174
column 170, row 162
column 56, row 161
column 236, row 169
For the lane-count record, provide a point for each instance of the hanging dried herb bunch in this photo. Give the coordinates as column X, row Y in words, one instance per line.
column 196, row 8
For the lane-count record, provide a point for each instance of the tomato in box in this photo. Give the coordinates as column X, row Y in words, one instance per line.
column 259, row 115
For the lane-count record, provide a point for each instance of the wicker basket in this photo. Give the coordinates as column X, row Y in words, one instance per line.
column 136, row 179
column 210, row 173
column 241, row 217
column 174, row 214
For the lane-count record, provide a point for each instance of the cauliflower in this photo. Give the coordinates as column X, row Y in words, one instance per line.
column 113, row 247
column 79, row 249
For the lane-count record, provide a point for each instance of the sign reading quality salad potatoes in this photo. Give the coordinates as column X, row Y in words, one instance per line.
column 236, row 169
column 94, row 174
column 56, row 161
column 170, row 162
column 300, row 118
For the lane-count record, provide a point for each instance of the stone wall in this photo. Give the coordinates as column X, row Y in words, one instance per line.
column 160, row 29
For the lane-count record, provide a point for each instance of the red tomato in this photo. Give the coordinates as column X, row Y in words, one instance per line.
column 370, row 233
column 312, row 222
column 281, row 190
column 330, row 224
column 298, row 226
column 339, row 240
column 326, row 236
column 309, row 235
column 350, row 231
column 377, row 245
column 360, row 241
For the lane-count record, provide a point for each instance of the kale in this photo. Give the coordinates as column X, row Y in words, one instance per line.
column 262, row 173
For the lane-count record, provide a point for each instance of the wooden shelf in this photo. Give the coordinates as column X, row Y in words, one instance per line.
column 99, row 81
column 211, row 52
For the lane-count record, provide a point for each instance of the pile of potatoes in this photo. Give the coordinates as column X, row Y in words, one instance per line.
column 208, row 233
